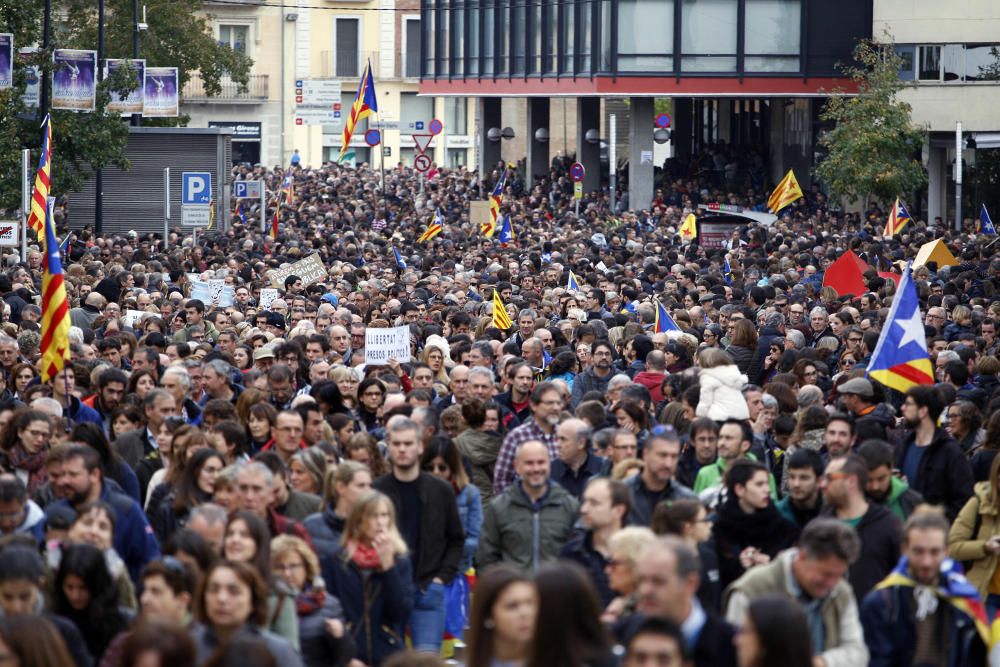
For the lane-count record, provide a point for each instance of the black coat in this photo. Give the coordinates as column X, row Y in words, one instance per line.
column 580, row 549
column 881, row 532
column 325, row 529
column 319, row 647
column 944, row 476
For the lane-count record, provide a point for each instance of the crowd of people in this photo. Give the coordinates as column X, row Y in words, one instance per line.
column 231, row 483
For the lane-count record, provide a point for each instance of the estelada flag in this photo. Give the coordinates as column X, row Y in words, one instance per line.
column 433, row 229
column 898, row 217
column 784, row 193
column 900, row 359
column 55, row 308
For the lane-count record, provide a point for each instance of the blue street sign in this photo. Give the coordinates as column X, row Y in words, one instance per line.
column 419, row 125
column 196, row 187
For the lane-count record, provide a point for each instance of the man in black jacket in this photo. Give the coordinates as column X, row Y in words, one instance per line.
column 930, row 460
column 427, row 516
column 603, row 512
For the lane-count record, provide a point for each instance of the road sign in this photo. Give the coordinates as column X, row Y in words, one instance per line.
column 422, row 163
column 577, row 172
column 372, row 137
column 196, row 187
column 196, row 215
column 422, row 141
column 663, row 120
column 435, row 126
column 317, row 116
column 246, row 189
column 317, row 92
column 577, row 190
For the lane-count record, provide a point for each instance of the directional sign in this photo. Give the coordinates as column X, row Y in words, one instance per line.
column 422, row 141
column 435, row 126
column 317, row 116
column 577, row 172
column 663, row 120
column 246, row 189
column 422, row 163
column 196, row 187
column 317, row 92
column 196, row 216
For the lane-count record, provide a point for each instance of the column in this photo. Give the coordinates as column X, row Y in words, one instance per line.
column 489, row 114
column 682, row 124
column 537, row 163
column 725, row 117
column 588, row 117
column 937, row 182
column 640, row 154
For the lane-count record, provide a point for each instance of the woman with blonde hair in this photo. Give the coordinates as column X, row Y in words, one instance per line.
column 624, row 547
column 721, row 385
column 436, row 360
column 343, row 486
column 347, row 382
column 372, row 577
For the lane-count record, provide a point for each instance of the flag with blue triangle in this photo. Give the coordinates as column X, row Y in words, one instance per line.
column 573, row 284
column 663, row 320
column 506, row 232
column 985, row 224
column 727, row 272
column 900, row 359
column 400, row 262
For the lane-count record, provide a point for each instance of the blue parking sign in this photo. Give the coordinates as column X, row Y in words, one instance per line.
column 196, row 187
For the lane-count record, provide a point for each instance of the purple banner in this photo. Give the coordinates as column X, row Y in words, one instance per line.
column 6, row 60
column 132, row 102
column 74, row 81
column 162, row 97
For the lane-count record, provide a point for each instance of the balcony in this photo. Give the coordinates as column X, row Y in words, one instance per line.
column 349, row 65
column 256, row 91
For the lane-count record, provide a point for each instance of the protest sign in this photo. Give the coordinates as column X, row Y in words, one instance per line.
column 132, row 318
column 310, row 270
column 267, row 297
column 384, row 344
column 213, row 292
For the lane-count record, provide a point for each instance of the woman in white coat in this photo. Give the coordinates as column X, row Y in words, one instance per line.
column 721, row 387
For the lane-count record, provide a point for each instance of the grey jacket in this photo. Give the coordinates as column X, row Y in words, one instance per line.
column 523, row 533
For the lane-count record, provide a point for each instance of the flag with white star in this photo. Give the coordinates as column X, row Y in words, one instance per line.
column 900, row 359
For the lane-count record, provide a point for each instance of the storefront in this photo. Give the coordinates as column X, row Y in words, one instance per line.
column 246, row 140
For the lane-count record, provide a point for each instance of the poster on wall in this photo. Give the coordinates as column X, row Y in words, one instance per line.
column 74, row 80
column 132, row 102
column 6, row 60
column 32, row 78
column 161, row 95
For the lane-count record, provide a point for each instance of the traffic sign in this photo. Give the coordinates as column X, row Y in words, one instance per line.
column 577, row 172
column 317, row 92
column 246, row 189
column 422, row 141
column 663, row 120
column 193, row 215
column 422, row 162
column 317, row 116
column 577, row 190
column 435, row 126
column 372, row 137
column 196, row 187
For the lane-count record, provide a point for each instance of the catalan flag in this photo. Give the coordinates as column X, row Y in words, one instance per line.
column 490, row 228
column 507, row 232
column 898, row 217
column 273, row 232
column 365, row 104
column 43, row 180
column 664, row 322
column 433, row 229
column 727, row 272
column 784, row 193
column 400, row 262
column 689, row 228
column 501, row 320
column 900, row 359
column 288, row 187
column 985, row 223
column 55, row 307
column 240, row 213
column 573, row 284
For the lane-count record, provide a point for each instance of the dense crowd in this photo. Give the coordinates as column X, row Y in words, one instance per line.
column 227, row 484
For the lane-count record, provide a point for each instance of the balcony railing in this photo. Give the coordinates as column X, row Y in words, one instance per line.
column 231, row 93
column 349, row 65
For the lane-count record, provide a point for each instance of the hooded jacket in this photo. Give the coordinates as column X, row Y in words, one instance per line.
column 721, row 395
column 480, row 449
column 966, row 543
column 902, row 499
column 653, row 381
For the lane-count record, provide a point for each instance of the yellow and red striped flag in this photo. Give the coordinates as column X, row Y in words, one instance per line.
column 43, row 180
column 501, row 320
column 784, row 193
column 365, row 104
column 433, row 229
column 898, row 217
column 496, row 197
column 55, row 307
column 273, row 232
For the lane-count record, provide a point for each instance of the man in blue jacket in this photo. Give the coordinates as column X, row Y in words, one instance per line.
column 82, row 482
column 74, row 410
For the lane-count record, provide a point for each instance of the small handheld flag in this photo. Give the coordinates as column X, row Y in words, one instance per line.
column 496, row 197
column 240, row 213
column 574, row 284
column 898, row 217
column 689, row 228
column 985, row 223
column 664, row 322
column 727, row 272
column 273, row 233
column 433, row 229
column 400, row 262
column 501, row 320
column 365, row 104
column 288, row 187
column 785, row 192
column 507, row 232
column 900, row 359
column 43, row 180
column 54, row 346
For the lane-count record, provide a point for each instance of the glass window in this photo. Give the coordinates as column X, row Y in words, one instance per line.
column 569, row 17
column 982, row 63
column 488, row 44
column 411, row 64
column 641, row 49
column 458, row 18
column 234, row 36
column 348, row 48
column 472, row 62
column 953, row 61
column 413, row 110
column 441, row 39
column 518, row 40
column 908, row 55
column 427, row 23
column 930, row 63
column 406, row 156
column 458, row 157
column 708, row 35
column 456, row 115
column 585, row 35
column 773, row 30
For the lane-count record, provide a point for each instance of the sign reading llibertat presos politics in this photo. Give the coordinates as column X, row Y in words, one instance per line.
column 74, row 80
column 161, row 93
column 6, row 60
column 381, row 345
column 132, row 102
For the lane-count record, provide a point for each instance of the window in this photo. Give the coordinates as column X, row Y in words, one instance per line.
column 488, row 44
column 953, row 62
column 347, row 45
column 234, row 36
column 982, row 62
column 908, row 55
column 458, row 36
column 456, row 115
column 413, row 110
column 411, row 61
column 929, row 63
column 708, row 35
column 639, row 48
column 458, row 157
column 771, row 35
column 472, row 64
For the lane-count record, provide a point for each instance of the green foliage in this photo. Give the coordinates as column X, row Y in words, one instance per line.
column 177, row 37
column 873, row 149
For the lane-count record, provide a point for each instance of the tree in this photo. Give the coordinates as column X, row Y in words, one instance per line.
column 873, row 149
column 179, row 35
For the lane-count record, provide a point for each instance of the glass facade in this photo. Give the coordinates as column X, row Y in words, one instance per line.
column 593, row 38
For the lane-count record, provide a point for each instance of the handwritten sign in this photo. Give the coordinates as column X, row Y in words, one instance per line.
column 383, row 344
column 132, row 318
column 310, row 270
column 267, row 297
column 213, row 292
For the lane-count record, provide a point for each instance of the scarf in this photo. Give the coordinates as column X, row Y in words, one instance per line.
column 365, row 557
column 34, row 464
column 310, row 600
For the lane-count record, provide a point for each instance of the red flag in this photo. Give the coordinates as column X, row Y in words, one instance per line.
column 845, row 275
column 889, row 275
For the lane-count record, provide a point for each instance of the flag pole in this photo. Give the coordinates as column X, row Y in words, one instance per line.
column 381, row 151
column 25, row 200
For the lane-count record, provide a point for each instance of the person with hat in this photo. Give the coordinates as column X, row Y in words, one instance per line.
column 858, row 398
